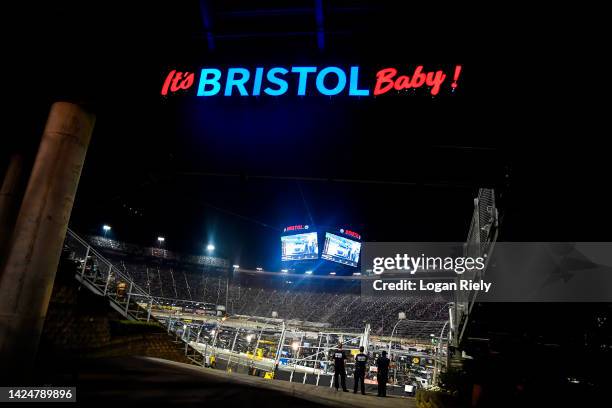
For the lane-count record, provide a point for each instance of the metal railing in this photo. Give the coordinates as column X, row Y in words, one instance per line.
column 227, row 343
column 101, row 277
column 480, row 242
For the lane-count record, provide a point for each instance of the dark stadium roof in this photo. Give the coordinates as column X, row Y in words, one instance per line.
column 236, row 171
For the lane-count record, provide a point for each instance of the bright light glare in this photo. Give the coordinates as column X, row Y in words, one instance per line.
column 210, row 247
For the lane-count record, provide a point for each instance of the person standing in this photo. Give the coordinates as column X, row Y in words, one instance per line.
column 360, row 369
column 339, row 369
column 383, row 374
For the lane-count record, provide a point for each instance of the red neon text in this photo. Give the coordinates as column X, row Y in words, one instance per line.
column 177, row 81
column 352, row 234
column 386, row 80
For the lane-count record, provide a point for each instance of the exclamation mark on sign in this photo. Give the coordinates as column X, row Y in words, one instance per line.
column 457, row 73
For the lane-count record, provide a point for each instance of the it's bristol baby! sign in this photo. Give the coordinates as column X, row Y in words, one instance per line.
column 308, row 80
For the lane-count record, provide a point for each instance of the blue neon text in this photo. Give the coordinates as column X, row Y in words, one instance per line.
column 277, row 81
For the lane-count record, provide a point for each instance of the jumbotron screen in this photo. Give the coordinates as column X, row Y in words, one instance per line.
column 300, row 246
column 341, row 250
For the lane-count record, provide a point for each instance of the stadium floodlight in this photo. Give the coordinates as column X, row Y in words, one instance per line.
column 259, row 269
column 332, row 273
column 295, row 345
column 308, row 272
column 284, row 270
column 161, row 239
column 106, row 227
column 210, row 247
column 236, row 266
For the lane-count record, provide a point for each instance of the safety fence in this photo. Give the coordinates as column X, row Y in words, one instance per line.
column 267, row 348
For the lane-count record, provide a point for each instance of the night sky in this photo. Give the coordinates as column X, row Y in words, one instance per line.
column 235, row 170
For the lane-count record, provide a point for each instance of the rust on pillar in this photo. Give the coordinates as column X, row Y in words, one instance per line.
column 9, row 202
column 31, row 263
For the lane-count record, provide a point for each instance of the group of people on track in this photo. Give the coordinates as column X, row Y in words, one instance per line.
column 382, row 363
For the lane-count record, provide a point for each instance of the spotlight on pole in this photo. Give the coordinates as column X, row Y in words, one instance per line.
column 210, row 247
column 161, row 239
column 236, row 266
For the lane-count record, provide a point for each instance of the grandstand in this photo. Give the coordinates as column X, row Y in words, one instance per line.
column 265, row 323
column 177, row 280
column 279, row 324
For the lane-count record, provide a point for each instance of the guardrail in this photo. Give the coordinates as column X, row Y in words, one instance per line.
column 101, row 277
column 480, row 242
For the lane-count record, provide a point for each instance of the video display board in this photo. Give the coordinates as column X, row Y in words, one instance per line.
column 342, row 250
column 299, row 246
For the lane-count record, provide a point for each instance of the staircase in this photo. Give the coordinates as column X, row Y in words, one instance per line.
column 480, row 242
column 102, row 278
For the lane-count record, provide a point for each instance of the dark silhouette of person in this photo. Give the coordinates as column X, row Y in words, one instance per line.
column 360, row 370
column 339, row 369
column 383, row 374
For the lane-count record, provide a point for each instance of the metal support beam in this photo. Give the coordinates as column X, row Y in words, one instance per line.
column 85, row 261
column 207, row 24
column 229, row 359
column 319, row 20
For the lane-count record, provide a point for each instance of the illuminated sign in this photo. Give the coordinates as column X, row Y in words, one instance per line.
column 350, row 233
column 328, row 81
column 295, row 228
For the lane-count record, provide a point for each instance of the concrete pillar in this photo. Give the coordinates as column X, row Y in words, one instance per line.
column 9, row 202
column 27, row 280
